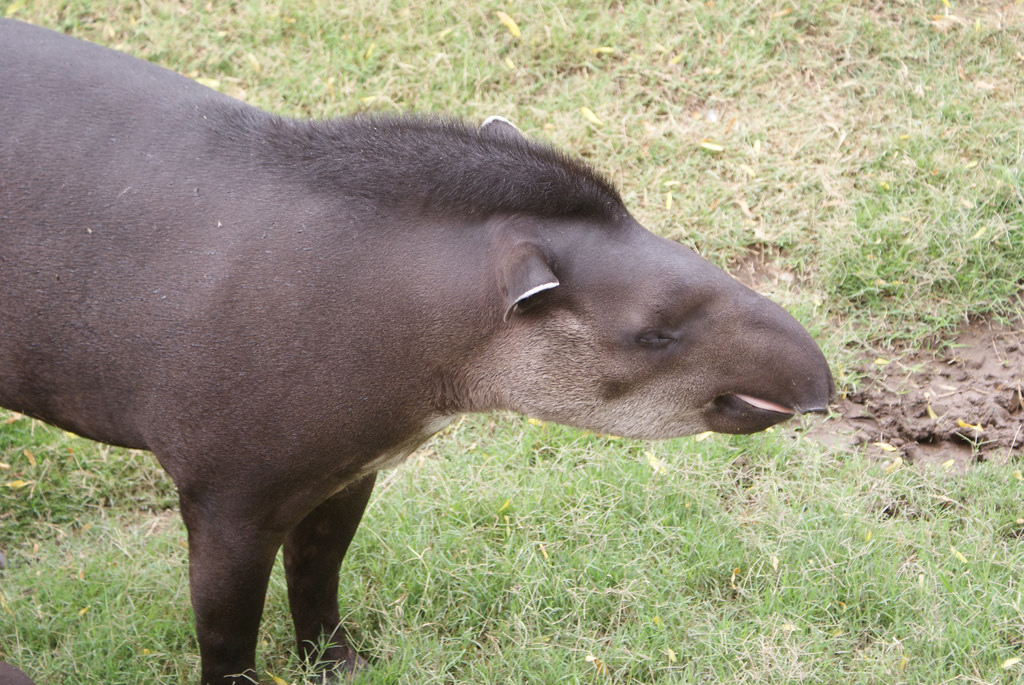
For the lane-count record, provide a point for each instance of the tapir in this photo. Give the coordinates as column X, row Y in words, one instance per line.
column 278, row 309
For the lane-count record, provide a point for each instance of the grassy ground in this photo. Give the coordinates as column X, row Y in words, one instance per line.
column 873, row 153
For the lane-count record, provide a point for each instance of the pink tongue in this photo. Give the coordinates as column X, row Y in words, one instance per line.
column 764, row 404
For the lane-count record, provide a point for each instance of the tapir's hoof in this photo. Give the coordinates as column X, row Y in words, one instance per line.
column 9, row 675
column 352, row 666
column 357, row 664
column 343, row 668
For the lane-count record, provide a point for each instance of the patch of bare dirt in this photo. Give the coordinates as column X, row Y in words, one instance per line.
column 759, row 271
column 965, row 404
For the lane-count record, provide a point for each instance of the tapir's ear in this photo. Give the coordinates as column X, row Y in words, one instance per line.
column 526, row 273
column 499, row 127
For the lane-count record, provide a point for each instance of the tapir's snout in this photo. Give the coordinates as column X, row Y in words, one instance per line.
column 779, row 373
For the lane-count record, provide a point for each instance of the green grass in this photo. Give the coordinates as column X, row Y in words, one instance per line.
column 511, row 552
column 874, row 150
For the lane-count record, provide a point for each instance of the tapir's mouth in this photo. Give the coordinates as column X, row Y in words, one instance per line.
column 739, row 413
column 766, row 405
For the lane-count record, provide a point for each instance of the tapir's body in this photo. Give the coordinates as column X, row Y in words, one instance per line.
column 278, row 309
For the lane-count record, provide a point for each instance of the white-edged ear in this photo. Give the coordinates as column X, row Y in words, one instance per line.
column 499, row 127
column 526, row 273
column 527, row 295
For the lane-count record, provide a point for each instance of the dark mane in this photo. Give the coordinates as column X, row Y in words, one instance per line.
column 438, row 165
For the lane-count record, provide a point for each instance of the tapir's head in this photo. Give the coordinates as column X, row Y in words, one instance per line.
column 609, row 327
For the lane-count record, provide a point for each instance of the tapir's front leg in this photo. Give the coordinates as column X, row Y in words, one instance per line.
column 230, row 560
column 313, row 552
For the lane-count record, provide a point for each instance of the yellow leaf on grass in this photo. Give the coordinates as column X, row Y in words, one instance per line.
column 589, row 115
column 931, row 413
column 657, row 464
column 948, row 464
column 277, row 681
column 1011, row 662
column 18, row 484
column 603, row 50
column 598, row 664
column 81, row 612
column 671, row 655
column 510, row 64
column 894, row 464
column 504, row 506
column 963, row 424
column 510, row 24
column 700, row 437
column 884, row 446
column 956, row 553
column 711, row 146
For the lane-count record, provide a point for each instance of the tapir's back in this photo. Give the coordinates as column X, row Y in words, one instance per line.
column 58, row 90
column 98, row 214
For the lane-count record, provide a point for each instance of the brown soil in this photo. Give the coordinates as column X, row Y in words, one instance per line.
column 965, row 404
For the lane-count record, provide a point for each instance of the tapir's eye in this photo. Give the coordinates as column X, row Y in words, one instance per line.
column 655, row 339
